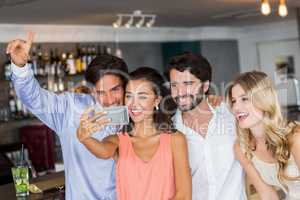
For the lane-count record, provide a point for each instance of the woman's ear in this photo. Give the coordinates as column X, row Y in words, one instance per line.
column 157, row 101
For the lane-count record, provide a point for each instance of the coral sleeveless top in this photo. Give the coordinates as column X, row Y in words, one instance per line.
column 140, row 180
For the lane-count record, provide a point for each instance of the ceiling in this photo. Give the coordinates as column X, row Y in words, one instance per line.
column 171, row 13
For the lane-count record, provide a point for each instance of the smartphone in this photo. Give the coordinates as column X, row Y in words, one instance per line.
column 118, row 114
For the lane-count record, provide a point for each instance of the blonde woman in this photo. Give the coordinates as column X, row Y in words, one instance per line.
column 268, row 146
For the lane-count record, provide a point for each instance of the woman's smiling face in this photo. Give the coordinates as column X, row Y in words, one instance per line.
column 247, row 115
column 141, row 100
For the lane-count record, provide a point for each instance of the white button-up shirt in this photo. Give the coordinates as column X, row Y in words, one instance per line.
column 216, row 175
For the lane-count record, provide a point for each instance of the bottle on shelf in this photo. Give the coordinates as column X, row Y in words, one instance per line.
column 7, row 71
column 53, row 67
column 17, row 109
column 34, row 58
column 78, row 60
column 64, row 65
column 50, row 83
column 84, row 59
column 40, row 61
column 94, row 52
column 55, row 87
column 108, row 50
column 89, row 55
column 47, row 64
column 59, row 65
column 12, row 107
column 71, row 64
column 53, row 63
column 61, row 86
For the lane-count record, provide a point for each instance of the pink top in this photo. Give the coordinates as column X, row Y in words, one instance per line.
column 140, row 180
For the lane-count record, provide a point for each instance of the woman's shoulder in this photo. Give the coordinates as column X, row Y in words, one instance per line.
column 294, row 138
column 178, row 137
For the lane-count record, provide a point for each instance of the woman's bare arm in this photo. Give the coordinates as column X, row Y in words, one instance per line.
column 183, row 179
column 265, row 191
column 104, row 149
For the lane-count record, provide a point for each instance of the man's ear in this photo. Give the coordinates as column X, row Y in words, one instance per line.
column 205, row 86
column 93, row 91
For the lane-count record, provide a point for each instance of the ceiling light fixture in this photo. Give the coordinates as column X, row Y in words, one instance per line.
column 282, row 8
column 118, row 23
column 136, row 19
column 129, row 23
column 265, row 7
column 140, row 23
column 151, row 22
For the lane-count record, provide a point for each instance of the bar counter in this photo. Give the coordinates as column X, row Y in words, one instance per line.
column 51, row 184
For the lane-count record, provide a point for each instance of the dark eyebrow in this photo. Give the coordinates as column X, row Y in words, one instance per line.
column 116, row 86
column 188, row 81
column 143, row 93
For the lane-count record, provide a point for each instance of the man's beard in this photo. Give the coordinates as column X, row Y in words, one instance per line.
column 196, row 100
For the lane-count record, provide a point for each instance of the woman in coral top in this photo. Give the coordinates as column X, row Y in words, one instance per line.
column 152, row 161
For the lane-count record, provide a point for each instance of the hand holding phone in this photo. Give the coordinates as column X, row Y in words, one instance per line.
column 117, row 114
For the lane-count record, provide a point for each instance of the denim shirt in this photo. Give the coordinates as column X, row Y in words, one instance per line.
column 87, row 177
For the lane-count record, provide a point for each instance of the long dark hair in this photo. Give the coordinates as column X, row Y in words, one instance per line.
column 162, row 117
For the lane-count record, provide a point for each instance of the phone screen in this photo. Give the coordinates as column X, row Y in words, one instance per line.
column 117, row 114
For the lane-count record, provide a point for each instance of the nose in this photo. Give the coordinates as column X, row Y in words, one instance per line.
column 109, row 99
column 132, row 102
column 235, row 107
column 180, row 90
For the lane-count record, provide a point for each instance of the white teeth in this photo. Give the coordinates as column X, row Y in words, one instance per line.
column 136, row 111
column 242, row 115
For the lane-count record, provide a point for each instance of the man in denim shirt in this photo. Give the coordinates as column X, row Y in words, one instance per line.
column 87, row 177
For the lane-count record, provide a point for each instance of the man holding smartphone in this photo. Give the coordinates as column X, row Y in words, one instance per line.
column 87, row 177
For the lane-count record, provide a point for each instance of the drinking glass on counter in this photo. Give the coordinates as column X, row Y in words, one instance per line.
column 21, row 176
column 21, row 180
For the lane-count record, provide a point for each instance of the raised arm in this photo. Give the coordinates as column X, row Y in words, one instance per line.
column 183, row 178
column 104, row 149
column 47, row 106
column 265, row 191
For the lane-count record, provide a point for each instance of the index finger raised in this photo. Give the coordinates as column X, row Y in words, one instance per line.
column 30, row 38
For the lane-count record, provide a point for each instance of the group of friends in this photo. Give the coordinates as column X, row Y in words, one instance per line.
column 181, row 143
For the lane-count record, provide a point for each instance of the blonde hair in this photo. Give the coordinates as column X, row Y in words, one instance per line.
column 262, row 94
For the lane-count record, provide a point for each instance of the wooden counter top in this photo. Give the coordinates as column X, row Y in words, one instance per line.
column 48, row 183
